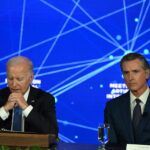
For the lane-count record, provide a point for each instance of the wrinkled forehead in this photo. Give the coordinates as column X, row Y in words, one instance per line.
column 19, row 67
column 19, row 71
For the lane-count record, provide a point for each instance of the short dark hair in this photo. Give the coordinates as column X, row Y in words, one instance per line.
column 133, row 56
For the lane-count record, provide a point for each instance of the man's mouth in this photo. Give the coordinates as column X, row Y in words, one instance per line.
column 131, row 84
column 15, row 90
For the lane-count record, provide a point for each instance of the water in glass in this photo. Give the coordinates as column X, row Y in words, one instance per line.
column 103, row 135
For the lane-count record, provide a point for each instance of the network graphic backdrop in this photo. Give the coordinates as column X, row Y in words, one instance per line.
column 76, row 46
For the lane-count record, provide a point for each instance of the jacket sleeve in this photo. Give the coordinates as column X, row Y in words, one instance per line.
column 109, row 120
column 42, row 118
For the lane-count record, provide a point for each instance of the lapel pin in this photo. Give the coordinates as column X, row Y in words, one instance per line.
column 32, row 101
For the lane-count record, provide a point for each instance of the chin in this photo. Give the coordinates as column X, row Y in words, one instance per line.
column 15, row 91
column 133, row 89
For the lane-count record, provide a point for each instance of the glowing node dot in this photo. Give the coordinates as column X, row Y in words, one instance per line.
column 118, row 37
column 101, row 86
column 76, row 137
column 111, row 57
column 136, row 19
column 146, row 51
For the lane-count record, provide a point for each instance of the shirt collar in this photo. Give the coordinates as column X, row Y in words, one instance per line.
column 143, row 97
column 26, row 94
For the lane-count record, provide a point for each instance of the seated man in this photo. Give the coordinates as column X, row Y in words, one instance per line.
column 38, row 107
column 129, row 114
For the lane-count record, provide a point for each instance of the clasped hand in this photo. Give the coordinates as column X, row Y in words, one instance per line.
column 15, row 99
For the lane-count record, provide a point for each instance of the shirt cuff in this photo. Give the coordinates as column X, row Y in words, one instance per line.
column 27, row 110
column 3, row 114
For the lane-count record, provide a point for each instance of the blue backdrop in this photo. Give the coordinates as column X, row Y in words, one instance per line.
column 76, row 46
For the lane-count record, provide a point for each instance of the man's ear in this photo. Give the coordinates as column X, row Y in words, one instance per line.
column 147, row 74
column 31, row 77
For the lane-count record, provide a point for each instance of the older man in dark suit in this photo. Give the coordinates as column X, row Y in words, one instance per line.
column 129, row 114
column 37, row 107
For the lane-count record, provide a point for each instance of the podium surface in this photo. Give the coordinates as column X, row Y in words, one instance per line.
column 26, row 139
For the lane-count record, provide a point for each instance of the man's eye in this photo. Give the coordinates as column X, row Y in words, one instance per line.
column 20, row 79
column 10, row 78
column 136, row 71
column 125, row 72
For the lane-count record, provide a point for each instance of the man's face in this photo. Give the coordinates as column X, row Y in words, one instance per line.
column 19, row 78
column 135, row 76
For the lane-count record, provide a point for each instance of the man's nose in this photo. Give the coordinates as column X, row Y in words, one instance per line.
column 14, row 83
column 130, row 76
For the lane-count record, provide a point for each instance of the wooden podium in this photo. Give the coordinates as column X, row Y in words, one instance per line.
column 26, row 140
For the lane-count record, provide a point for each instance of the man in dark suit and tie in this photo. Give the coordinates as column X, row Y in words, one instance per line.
column 37, row 107
column 129, row 114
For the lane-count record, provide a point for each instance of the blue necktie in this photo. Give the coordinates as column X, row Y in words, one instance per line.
column 17, row 119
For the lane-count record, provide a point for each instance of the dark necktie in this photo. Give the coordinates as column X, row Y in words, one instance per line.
column 136, row 114
column 17, row 119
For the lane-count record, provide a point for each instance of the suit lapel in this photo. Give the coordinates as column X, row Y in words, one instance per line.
column 32, row 96
column 126, row 113
column 146, row 115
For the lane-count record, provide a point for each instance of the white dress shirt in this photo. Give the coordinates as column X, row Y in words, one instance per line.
column 4, row 115
column 143, row 99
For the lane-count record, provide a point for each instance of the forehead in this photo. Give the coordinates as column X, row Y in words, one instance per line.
column 132, row 64
column 18, row 69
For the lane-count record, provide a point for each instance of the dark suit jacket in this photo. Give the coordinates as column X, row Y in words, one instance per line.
column 118, row 114
column 42, row 118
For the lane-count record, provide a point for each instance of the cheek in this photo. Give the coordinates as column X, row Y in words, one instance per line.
column 26, row 83
column 141, row 79
column 9, row 82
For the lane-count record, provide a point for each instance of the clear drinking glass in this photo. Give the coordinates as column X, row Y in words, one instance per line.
column 103, row 135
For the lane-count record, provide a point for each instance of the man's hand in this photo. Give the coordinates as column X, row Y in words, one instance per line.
column 15, row 99
column 10, row 104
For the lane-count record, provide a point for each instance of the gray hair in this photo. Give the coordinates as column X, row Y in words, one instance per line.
column 18, row 60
